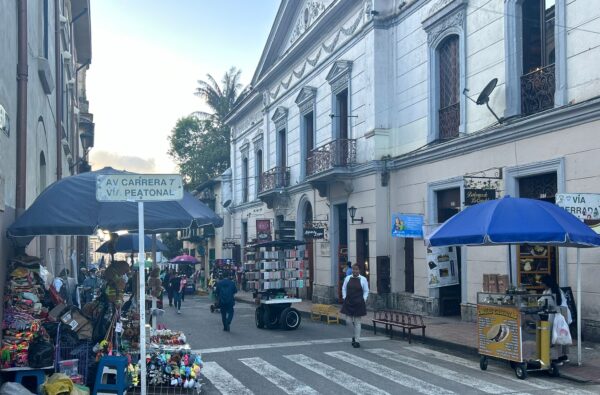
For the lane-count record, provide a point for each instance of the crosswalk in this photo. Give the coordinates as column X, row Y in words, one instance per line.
column 375, row 371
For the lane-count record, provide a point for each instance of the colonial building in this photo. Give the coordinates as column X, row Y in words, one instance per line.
column 46, row 129
column 362, row 110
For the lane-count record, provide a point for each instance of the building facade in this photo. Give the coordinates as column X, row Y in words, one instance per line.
column 46, row 126
column 380, row 107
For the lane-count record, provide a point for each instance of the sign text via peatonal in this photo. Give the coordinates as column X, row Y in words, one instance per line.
column 138, row 187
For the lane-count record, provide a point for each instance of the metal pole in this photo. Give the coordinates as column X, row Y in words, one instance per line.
column 142, row 296
column 578, row 309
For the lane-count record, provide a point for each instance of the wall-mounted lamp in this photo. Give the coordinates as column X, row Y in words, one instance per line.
column 352, row 212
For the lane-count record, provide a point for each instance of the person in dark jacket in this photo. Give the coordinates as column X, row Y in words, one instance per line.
column 175, row 283
column 225, row 290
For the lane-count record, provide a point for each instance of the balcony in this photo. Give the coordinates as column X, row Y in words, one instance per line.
column 449, row 121
column 537, row 90
column 330, row 162
column 273, row 183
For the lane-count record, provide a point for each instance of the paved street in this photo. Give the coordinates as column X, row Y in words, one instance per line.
column 318, row 358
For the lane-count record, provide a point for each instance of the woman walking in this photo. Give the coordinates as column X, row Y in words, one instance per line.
column 355, row 292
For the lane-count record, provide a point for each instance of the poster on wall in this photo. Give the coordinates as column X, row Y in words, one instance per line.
column 263, row 230
column 499, row 332
column 442, row 264
column 407, row 225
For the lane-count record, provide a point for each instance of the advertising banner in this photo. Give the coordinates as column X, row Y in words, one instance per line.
column 499, row 330
column 263, row 230
column 407, row 225
column 442, row 264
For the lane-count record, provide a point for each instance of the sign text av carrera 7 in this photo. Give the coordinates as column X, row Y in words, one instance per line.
column 146, row 187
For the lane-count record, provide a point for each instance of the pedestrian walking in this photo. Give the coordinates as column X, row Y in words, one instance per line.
column 225, row 290
column 355, row 292
column 176, row 291
column 183, row 286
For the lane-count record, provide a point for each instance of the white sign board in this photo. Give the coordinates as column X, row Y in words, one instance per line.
column 585, row 206
column 138, row 187
column 442, row 263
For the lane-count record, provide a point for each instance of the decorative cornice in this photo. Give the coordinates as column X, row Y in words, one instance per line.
column 307, row 93
column 441, row 10
column 435, row 31
column 280, row 117
column 310, row 13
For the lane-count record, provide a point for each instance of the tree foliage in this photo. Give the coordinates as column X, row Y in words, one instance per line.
column 199, row 143
column 174, row 245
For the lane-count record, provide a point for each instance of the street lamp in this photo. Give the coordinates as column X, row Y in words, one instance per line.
column 87, row 142
column 352, row 212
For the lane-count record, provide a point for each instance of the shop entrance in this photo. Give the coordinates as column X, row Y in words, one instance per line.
column 362, row 251
column 531, row 266
column 448, row 204
column 342, row 243
column 309, row 257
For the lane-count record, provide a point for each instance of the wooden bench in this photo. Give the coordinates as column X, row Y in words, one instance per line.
column 331, row 313
column 391, row 318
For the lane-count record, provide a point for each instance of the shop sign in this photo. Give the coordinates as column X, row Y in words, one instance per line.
column 499, row 331
column 475, row 196
column 442, row 264
column 314, row 233
column 138, row 187
column 229, row 244
column 585, row 206
column 263, row 230
column 407, row 225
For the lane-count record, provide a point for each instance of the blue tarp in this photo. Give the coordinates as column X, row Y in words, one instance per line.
column 514, row 221
column 69, row 207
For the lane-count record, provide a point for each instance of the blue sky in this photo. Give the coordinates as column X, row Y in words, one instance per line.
column 147, row 57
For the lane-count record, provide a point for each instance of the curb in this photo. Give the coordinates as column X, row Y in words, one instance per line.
column 431, row 341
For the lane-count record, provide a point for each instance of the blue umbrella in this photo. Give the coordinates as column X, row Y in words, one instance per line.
column 130, row 243
column 69, row 207
column 514, row 221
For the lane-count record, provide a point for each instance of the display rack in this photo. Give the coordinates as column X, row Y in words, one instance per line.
column 534, row 262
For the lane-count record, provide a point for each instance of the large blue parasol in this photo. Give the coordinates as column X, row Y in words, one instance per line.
column 69, row 207
column 514, row 221
column 129, row 243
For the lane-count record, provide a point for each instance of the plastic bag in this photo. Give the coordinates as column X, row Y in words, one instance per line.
column 57, row 384
column 560, row 331
column 41, row 353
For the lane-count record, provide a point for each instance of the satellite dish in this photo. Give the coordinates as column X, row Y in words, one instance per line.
column 484, row 96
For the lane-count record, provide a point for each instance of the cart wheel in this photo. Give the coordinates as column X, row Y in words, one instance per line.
column 290, row 319
column 271, row 318
column 553, row 371
column 521, row 371
column 258, row 317
column 483, row 362
column 212, row 308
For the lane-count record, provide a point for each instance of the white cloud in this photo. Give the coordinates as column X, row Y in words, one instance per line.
column 135, row 164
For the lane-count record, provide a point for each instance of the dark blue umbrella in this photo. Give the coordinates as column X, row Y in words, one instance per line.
column 69, row 207
column 514, row 221
column 130, row 243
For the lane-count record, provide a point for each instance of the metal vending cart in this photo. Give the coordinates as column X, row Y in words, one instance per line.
column 274, row 271
column 516, row 328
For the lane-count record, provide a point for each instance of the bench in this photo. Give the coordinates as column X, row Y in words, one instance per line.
column 331, row 313
column 406, row 321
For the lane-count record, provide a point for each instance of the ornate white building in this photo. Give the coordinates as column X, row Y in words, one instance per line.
column 366, row 105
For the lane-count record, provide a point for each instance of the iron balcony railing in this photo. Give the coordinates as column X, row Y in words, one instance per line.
column 277, row 177
column 449, row 121
column 537, row 90
column 337, row 153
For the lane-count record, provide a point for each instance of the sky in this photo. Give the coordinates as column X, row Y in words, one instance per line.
column 147, row 56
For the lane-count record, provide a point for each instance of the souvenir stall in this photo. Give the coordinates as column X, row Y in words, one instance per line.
column 274, row 271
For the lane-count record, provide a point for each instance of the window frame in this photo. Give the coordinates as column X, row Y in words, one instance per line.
column 306, row 102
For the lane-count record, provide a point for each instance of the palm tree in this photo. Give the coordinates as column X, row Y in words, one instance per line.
column 221, row 99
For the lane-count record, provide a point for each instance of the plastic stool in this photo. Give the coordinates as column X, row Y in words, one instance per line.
column 38, row 374
column 111, row 365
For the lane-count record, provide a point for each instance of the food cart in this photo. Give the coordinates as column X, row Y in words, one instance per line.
column 515, row 327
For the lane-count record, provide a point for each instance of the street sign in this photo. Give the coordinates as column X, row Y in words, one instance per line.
column 474, row 196
column 138, row 187
column 585, row 206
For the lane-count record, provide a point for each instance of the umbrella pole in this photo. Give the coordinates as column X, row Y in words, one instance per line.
column 142, row 297
column 578, row 309
column 510, row 279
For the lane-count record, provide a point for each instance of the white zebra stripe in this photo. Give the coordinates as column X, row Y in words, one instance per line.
column 390, row 374
column 498, row 372
column 223, row 380
column 437, row 370
column 347, row 381
column 281, row 379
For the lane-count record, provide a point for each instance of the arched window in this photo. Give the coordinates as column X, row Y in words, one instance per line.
column 449, row 87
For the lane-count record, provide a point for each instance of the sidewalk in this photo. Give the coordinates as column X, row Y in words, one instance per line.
column 452, row 333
